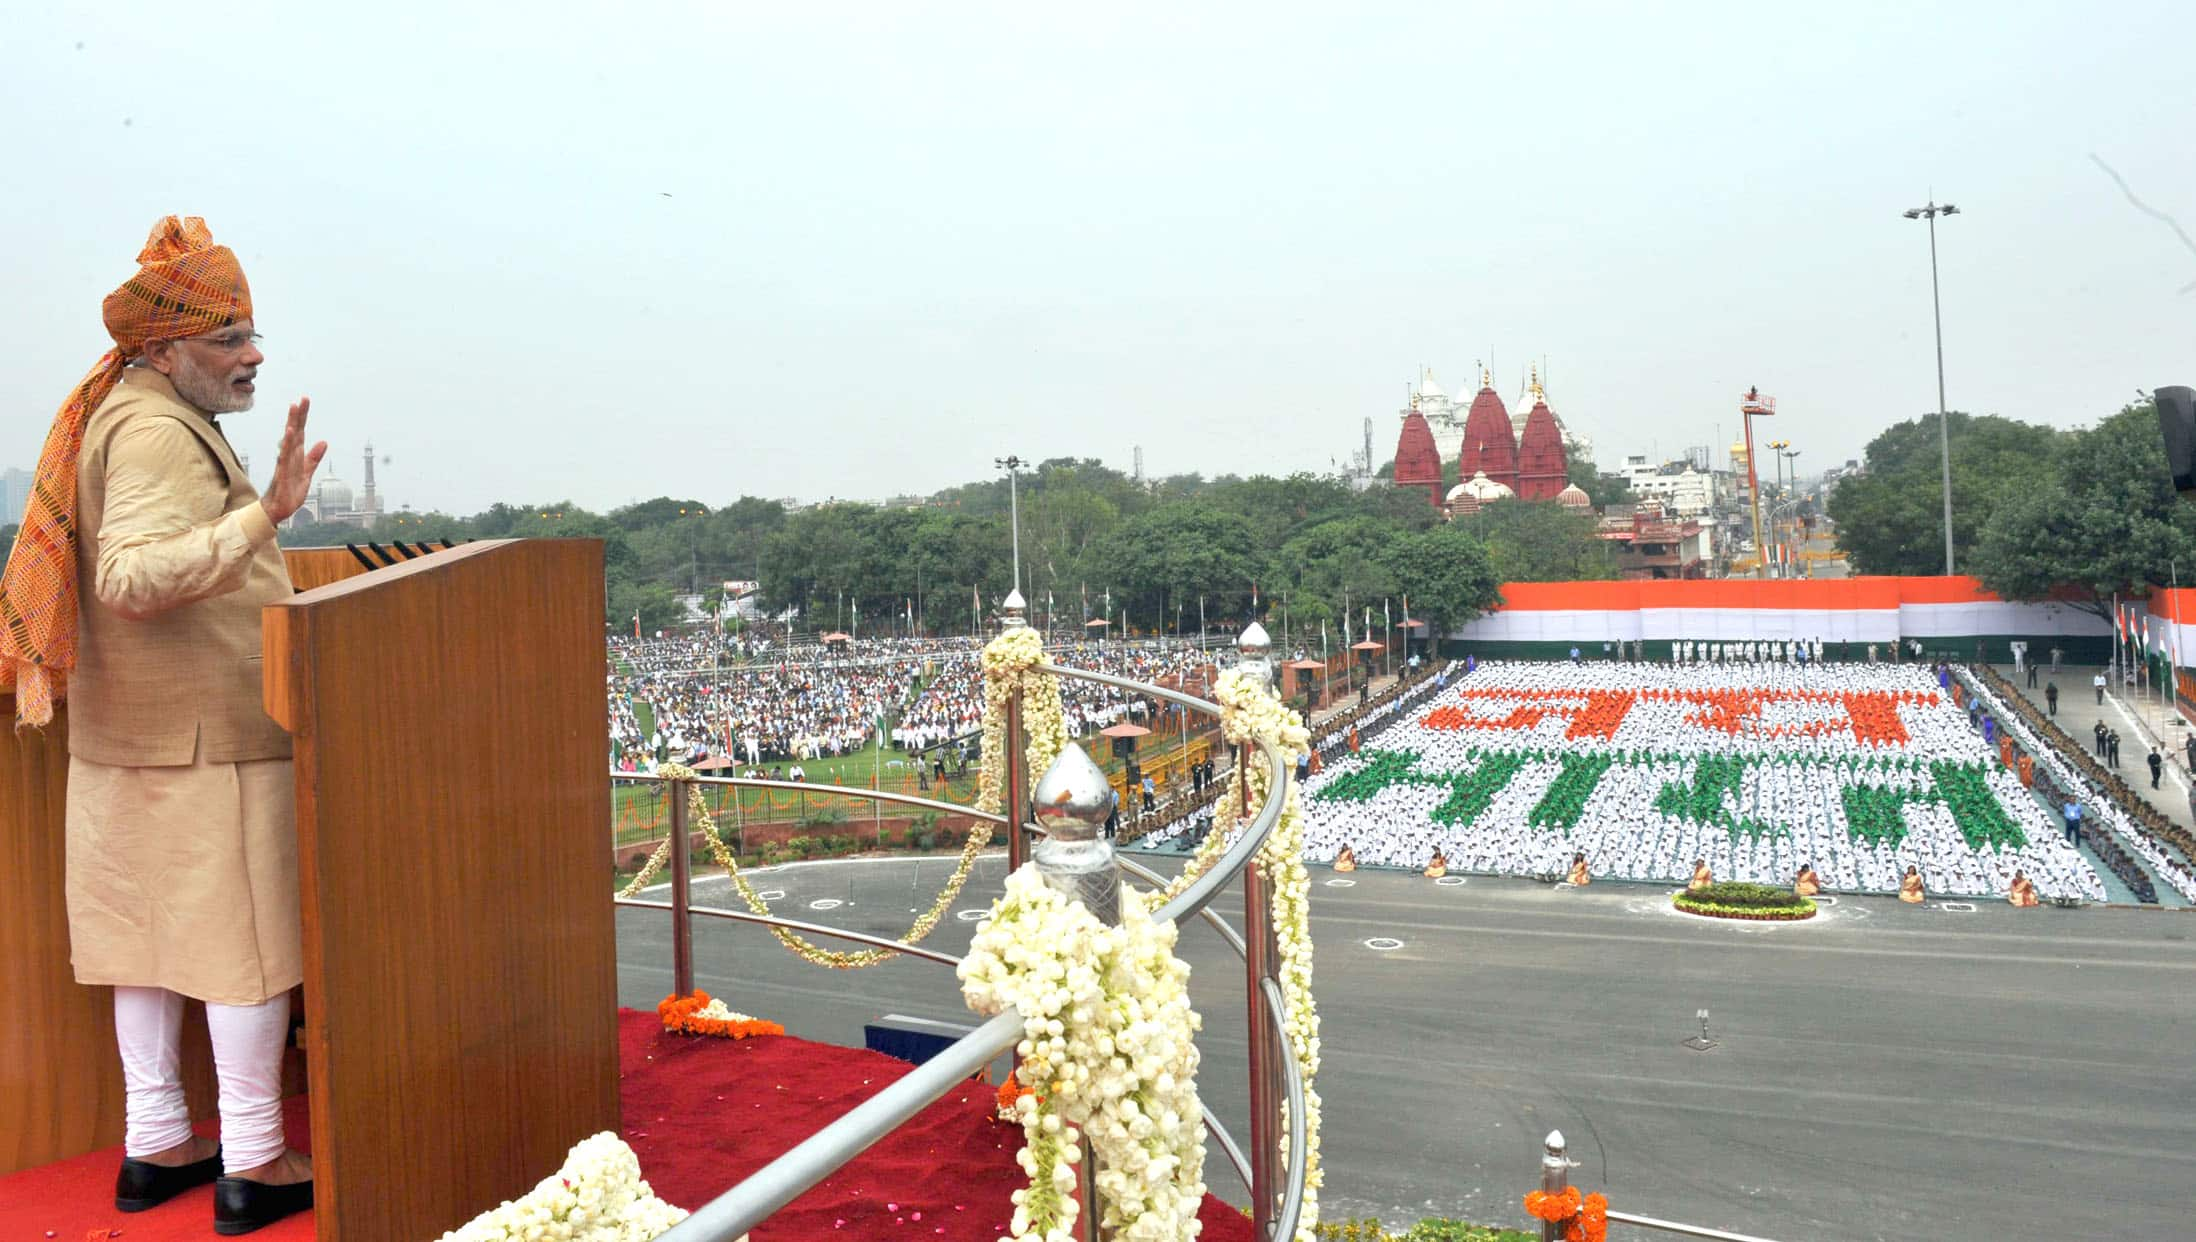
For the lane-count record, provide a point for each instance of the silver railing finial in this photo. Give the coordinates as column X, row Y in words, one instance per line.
column 1073, row 801
column 1555, row 1177
column 1014, row 608
column 1256, row 649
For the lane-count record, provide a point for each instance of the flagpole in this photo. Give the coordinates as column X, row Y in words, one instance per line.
column 1387, row 638
column 2175, row 566
column 2119, row 624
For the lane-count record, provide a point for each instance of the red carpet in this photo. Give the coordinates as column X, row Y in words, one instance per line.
column 701, row 1114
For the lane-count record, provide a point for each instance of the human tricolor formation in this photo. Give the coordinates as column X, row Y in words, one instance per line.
column 1650, row 770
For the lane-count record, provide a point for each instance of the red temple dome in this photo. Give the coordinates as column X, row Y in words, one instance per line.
column 1489, row 445
column 1542, row 467
column 1417, row 461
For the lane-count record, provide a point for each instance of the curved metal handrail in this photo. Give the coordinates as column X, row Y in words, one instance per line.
column 811, row 929
column 1292, row 1197
column 851, row 791
column 1153, row 878
column 753, row 1199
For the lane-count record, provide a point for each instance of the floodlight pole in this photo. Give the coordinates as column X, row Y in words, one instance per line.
column 1930, row 213
column 1012, row 465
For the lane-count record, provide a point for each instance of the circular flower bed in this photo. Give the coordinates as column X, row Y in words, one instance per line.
column 1730, row 899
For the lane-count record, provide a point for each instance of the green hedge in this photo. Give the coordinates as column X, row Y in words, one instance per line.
column 1696, row 903
column 1749, row 896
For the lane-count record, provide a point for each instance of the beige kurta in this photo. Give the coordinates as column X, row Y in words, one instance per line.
column 182, row 870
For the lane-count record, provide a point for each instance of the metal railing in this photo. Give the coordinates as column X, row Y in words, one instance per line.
column 1276, row 1186
column 1555, row 1177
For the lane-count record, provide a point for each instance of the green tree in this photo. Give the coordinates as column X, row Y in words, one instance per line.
column 1175, row 553
column 1602, row 489
column 662, row 511
column 657, row 605
column 2101, row 515
column 1541, row 541
column 1891, row 519
column 1448, row 575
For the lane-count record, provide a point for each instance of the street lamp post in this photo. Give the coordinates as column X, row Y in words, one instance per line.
column 1012, row 465
column 1930, row 213
column 1792, row 472
column 1776, row 462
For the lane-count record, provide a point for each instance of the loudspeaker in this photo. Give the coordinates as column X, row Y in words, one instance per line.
column 2177, row 424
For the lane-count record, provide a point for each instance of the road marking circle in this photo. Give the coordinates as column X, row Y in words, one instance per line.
column 1341, row 884
column 825, row 903
column 772, row 894
column 971, row 916
column 1383, row 944
column 1449, row 881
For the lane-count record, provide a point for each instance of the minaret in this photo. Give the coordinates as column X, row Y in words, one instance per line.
column 369, row 505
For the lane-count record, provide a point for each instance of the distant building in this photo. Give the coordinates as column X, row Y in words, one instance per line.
column 1683, row 490
column 15, row 490
column 742, row 598
column 1526, row 455
column 1476, row 493
column 1417, row 461
column 1652, row 543
column 333, row 501
column 1490, row 442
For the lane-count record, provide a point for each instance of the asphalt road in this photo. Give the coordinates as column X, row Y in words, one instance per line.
column 1883, row 1072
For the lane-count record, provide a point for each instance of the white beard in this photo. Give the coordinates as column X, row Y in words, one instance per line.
column 209, row 392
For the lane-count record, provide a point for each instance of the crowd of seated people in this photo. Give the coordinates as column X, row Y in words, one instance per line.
column 764, row 711
column 951, row 705
column 775, row 699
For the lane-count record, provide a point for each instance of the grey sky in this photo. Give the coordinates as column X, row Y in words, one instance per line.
column 902, row 240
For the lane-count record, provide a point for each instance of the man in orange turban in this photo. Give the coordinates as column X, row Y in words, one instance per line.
column 182, row 847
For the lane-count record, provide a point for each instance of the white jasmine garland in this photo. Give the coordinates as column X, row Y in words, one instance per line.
column 1107, row 1052
column 1013, row 661
column 597, row 1196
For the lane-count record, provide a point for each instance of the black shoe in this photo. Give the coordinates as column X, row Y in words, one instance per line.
column 241, row 1206
column 141, row 1185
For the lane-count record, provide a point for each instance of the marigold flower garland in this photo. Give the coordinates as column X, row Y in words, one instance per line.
column 700, row 1014
column 698, row 812
column 1108, row 1036
column 1010, row 1093
column 1584, row 1218
column 597, row 1196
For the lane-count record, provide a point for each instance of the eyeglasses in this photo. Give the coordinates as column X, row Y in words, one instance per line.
column 228, row 342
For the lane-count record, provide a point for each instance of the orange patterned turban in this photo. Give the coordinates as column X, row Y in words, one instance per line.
column 185, row 286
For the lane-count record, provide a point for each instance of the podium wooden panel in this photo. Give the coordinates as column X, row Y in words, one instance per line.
column 59, row 1075
column 460, row 960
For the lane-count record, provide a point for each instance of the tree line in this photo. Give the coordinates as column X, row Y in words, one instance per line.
column 1093, row 540
column 2035, row 509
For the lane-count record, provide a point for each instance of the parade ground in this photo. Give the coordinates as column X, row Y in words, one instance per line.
column 1881, row 1072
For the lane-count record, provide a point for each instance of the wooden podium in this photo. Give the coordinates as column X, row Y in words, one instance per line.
column 460, row 956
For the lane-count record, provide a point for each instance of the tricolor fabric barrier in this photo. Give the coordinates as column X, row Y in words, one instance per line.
column 1947, row 615
column 2160, row 632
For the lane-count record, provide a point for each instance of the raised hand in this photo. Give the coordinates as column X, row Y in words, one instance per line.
column 294, row 466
